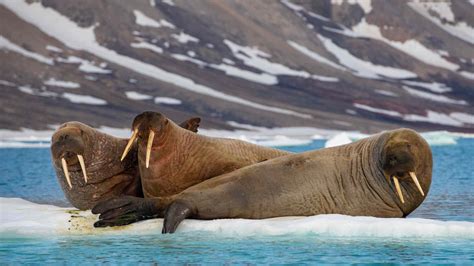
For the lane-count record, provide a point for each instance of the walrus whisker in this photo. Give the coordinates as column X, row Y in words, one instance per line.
column 151, row 136
column 83, row 166
column 397, row 186
column 415, row 179
column 66, row 172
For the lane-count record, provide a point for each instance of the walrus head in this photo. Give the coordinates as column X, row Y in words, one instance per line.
column 149, row 124
column 407, row 162
column 88, row 167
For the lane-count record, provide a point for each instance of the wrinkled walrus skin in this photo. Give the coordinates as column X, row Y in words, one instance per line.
column 355, row 179
column 177, row 160
column 107, row 176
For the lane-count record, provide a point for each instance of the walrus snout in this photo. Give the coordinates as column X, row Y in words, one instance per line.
column 145, row 126
column 67, row 149
column 400, row 160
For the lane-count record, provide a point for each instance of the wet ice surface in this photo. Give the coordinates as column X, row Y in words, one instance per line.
column 27, row 173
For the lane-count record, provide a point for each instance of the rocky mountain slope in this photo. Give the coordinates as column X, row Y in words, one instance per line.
column 350, row 65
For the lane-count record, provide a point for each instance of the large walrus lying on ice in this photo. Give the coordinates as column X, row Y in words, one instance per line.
column 386, row 175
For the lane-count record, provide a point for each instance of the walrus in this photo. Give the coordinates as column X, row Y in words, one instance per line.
column 88, row 166
column 171, row 160
column 386, row 175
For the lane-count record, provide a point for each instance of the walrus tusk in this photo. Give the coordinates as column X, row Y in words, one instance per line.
column 148, row 147
column 413, row 176
column 66, row 172
column 129, row 144
column 83, row 166
column 397, row 186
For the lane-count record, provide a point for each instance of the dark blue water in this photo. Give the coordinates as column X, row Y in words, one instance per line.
column 27, row 173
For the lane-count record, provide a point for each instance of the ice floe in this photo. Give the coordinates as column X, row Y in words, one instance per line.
column 8, row 45
column 363, row 68
column 338, row 140
column 61, row 83
column 83, row 99
column 167, row 100
column 53, row 23
column 23, row 218
column 133, row 95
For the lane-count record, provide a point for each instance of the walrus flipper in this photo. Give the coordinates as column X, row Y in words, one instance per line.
column 191, row 124
column 125, row 210
column 175, row 214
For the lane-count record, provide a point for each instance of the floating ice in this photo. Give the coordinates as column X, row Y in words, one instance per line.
column 21, row 217
column 338, row 140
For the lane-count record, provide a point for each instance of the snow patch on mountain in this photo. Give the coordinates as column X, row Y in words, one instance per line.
column 85, row 65
column 366, row 5
column 143, row 20
column 433, row 86
column 167, row 100
column 184, row 38
column 411, row 47
column 133, row 95
column 61, row 83
column 315, row 56
column 36, row 92
column 460, row 30
column 363, row 68
column 53, row 49
column 149, row 46
column 433, row 97
column 83, row 99
column 8, row 45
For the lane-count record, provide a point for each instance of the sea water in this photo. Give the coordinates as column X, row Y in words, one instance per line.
column 27, row 173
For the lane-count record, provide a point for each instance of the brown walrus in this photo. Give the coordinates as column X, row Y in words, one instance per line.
column 88, row 166
column 172, row 159
column 376, row 176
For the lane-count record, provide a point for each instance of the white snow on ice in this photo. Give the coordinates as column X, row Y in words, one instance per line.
column 62, row 83
column 53, row 23
column 338, row 140
column 133, row 95
column 21, row 217
column 363, row 68
column 7, row 45
column 167, row 100
column 83, row 99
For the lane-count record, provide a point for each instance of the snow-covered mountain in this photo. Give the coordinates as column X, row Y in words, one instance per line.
column 348, row 65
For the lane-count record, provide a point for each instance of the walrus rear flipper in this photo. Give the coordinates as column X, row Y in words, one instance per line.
column 191, row 124
column 174, row 215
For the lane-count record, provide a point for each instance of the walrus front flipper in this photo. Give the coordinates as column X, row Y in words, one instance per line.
column 125, row 210
column 191, row 124
column 175, row 214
